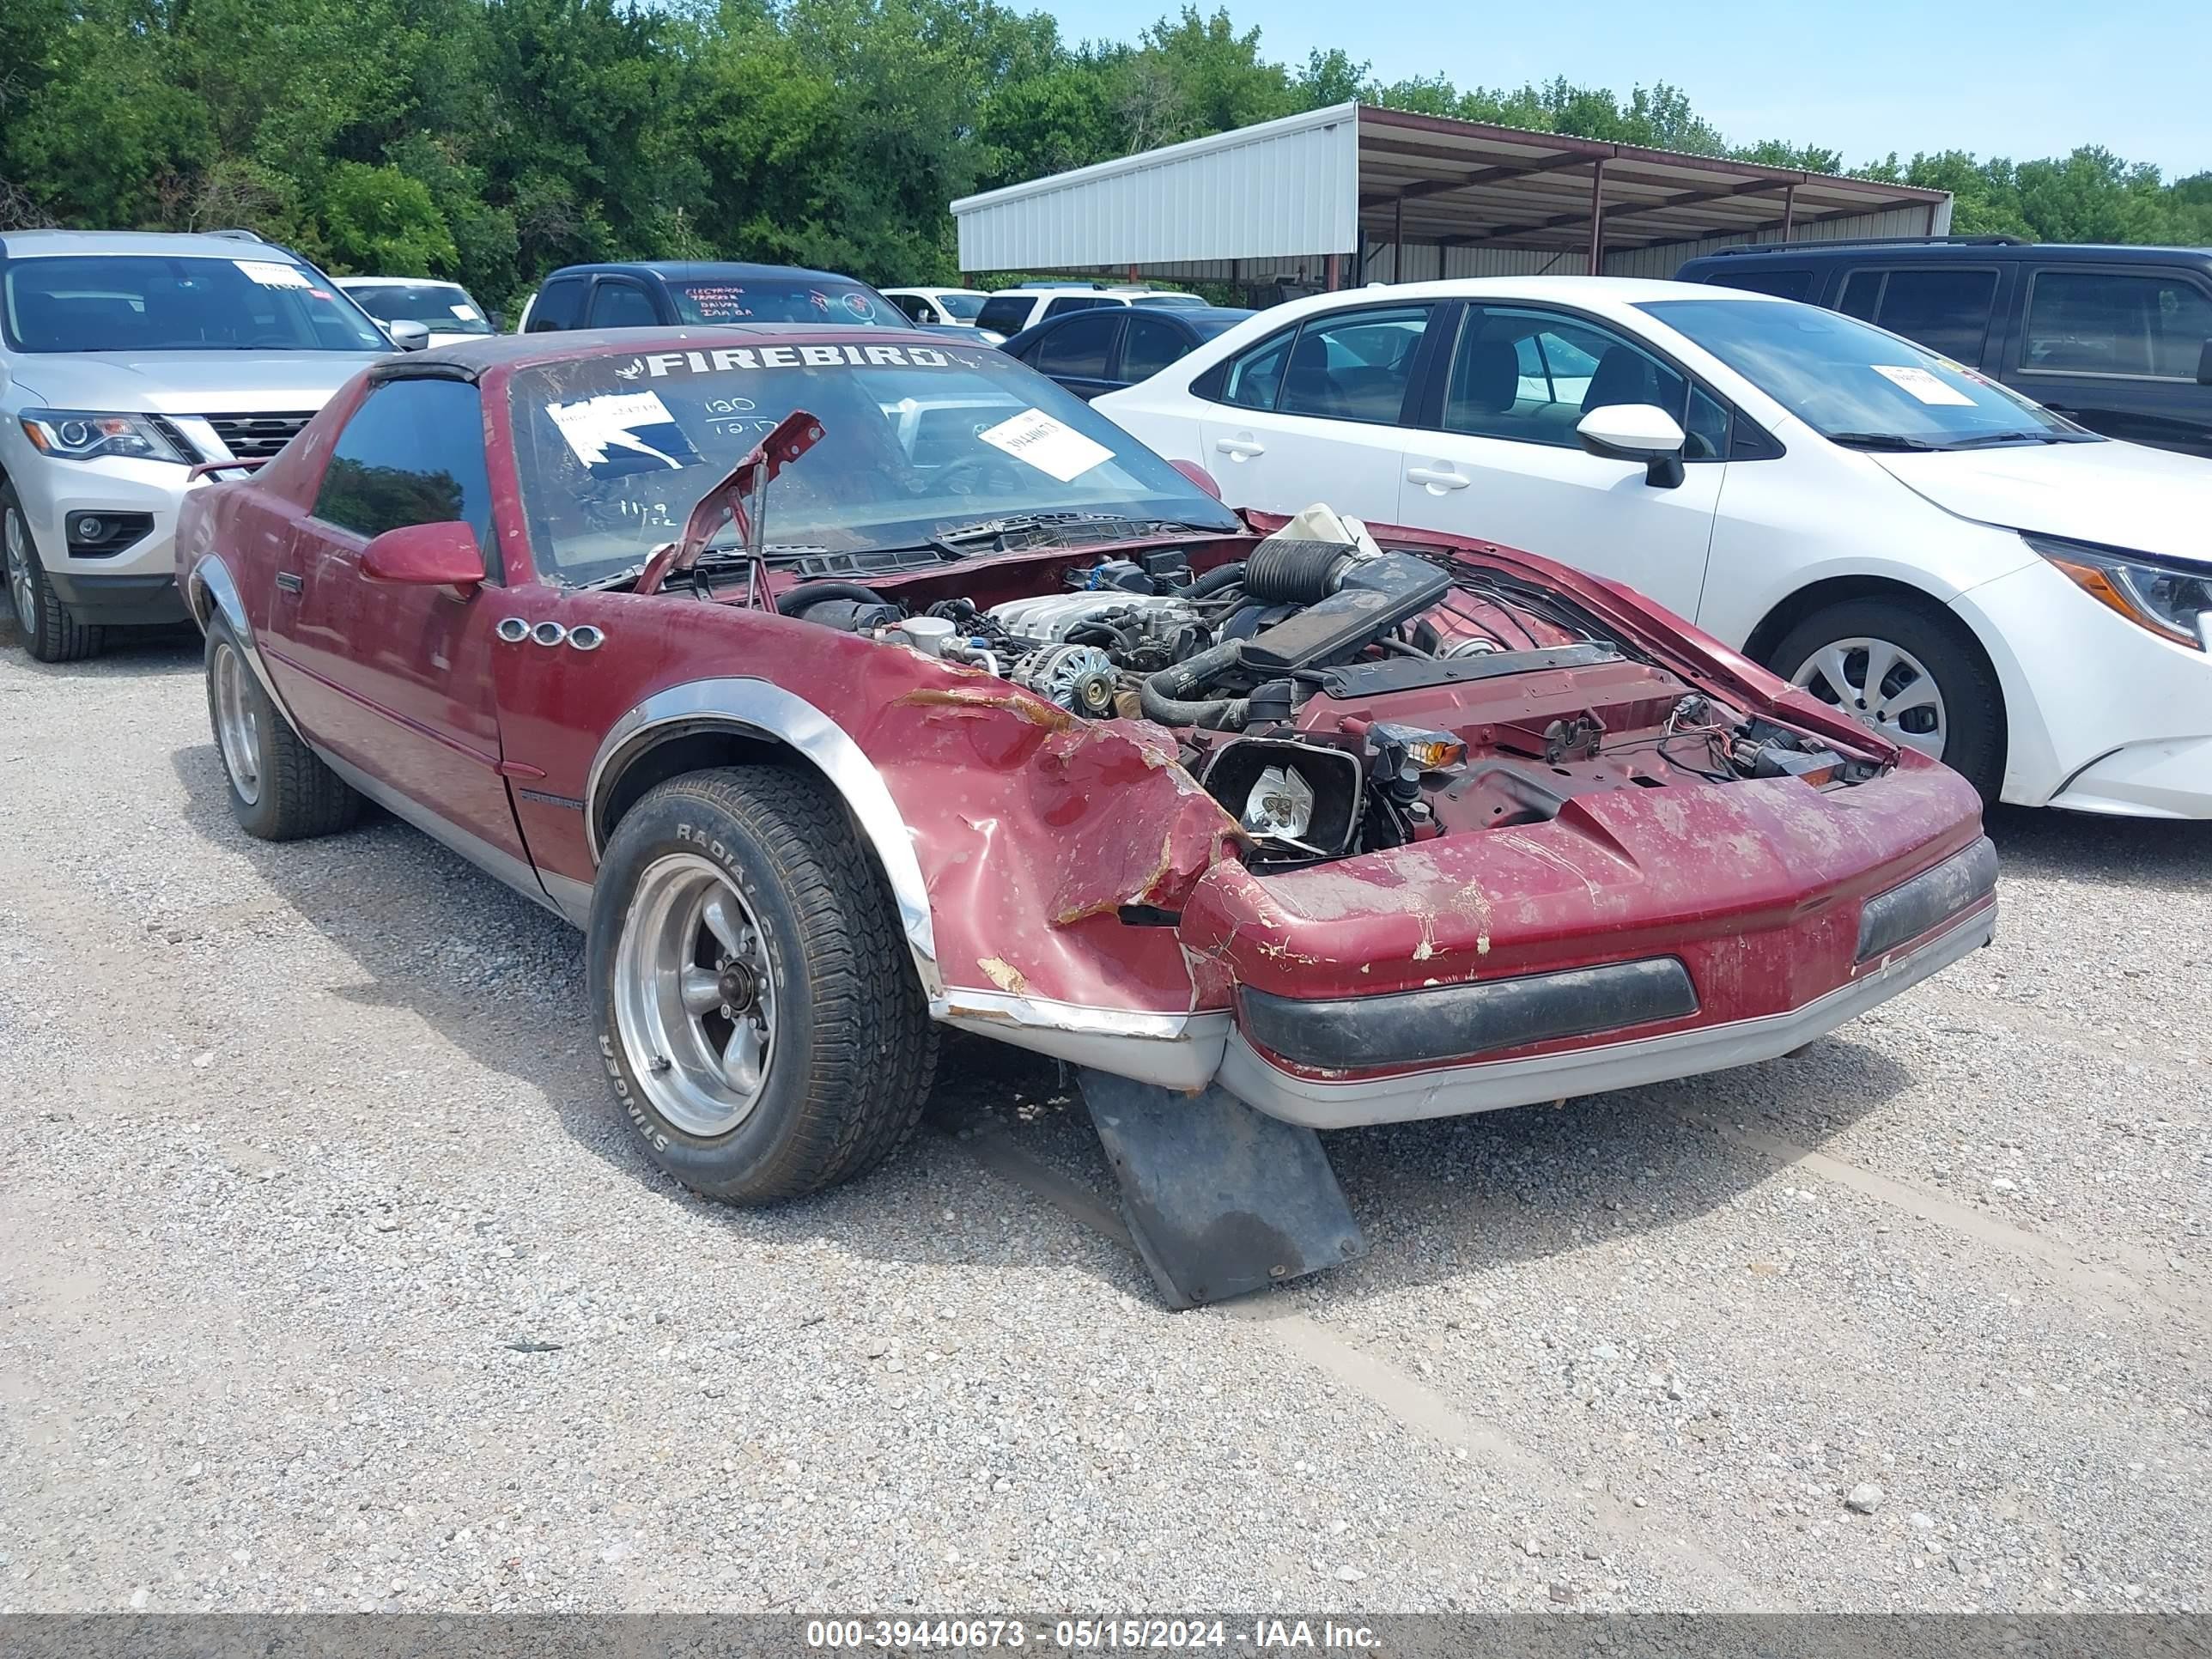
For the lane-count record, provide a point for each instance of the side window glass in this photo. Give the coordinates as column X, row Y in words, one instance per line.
column 558, row 302
column 1860, row 295
column 1782, row 284
column 1149, row 347
column 1068, row 302
column 1946, row 310
column 412, row 453
column 621, row 305
column 1530, row 376
column 915, row 307
column 1255, row 378
column 1006, row 315
column 1355, row 367
column 1079, row 348
column 2099, row 322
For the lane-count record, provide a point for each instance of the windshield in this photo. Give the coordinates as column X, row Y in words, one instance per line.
column 614, row 451
column 1852, row 383
column 781, row 300
column 442, row 308
column 134, row 302
column 966, row 307
column 1171, row 299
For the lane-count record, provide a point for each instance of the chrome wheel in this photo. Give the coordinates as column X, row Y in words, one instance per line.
column 694, row 996
column 237, row 725
column 16, row 547
column 1882, row 686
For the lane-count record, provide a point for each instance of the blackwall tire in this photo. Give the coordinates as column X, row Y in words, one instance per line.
column 278, row 789
column 759, row 1017
column 1918, row 653
column 49, row 632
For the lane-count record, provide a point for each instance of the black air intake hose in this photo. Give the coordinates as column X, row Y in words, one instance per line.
column 806, row 595
column 1215, row 580
column 1295, row 573
column 1163, row 693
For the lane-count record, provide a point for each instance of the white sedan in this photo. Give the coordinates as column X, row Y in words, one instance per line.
column 1960, row 568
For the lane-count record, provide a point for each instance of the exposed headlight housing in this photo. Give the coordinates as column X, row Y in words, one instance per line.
column 78, row 435
column 2172, row 599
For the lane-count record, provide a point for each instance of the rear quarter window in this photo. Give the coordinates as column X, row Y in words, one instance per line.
column 1009, row 315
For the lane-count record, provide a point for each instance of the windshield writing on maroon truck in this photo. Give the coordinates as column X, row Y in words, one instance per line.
column 661, row 364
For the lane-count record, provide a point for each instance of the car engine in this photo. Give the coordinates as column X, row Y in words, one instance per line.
column 1336, row 697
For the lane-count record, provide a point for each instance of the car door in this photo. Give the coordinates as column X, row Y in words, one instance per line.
column 1500, row 459
column 2121, row 350
column 394, row 679
column 1077, row 350
column 1312, row 414
column 621, row 302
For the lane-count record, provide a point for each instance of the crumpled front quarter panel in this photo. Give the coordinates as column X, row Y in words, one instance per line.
column 1034, row 830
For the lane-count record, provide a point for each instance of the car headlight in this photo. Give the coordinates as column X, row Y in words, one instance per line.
column 2173, row 600
column 78, row 435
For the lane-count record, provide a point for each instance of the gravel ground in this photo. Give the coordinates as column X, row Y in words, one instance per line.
column 329, row 1280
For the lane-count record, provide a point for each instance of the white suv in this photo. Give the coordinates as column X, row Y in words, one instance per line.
column 126, row 360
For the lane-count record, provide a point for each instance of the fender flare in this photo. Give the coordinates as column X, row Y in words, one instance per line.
column 756, row 708
column 208, row 588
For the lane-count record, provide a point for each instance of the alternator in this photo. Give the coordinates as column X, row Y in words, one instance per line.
column 1078, row 677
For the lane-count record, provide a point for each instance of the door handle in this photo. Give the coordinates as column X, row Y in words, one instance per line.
column 1438, row 478
column 289, row 581
column 1241, row 449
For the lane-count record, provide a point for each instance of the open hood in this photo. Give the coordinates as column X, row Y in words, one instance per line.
column 2117, row 495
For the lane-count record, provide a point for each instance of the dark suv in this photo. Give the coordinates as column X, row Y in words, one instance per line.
column 2118, row 338
column 649, row 294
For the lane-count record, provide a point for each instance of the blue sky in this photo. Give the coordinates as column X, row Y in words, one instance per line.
column 2027, row 79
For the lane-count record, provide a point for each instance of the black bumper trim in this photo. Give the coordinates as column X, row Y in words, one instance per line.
column 1463, row 1022
column 120, row 601
column 1930, row 898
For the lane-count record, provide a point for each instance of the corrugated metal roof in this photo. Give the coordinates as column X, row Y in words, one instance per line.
column 1333, row 180
column 1284, row 187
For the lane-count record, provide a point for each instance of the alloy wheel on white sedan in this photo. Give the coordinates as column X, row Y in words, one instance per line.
column 1883, row 685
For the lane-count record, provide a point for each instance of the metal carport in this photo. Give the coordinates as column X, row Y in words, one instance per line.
column 1354, row 193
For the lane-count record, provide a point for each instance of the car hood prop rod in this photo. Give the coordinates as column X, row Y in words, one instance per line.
column 741, row 496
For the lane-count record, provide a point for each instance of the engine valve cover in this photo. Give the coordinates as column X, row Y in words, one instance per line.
column 1052, row 617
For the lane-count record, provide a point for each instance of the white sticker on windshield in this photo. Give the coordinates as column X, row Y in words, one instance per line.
column 1047, row 445
column 1921, row 384
column 269, row 274
column 466, row 313
column 623, row 432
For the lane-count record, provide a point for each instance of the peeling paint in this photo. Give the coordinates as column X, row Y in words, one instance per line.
column 1004, row 975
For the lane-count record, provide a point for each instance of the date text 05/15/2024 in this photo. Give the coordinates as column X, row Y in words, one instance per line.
column 1087, row 1635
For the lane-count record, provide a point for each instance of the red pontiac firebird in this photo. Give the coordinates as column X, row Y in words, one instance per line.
column 847, row 691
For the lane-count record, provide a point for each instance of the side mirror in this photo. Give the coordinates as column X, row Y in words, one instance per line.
column 427, row 556
column 2204, row 365
column 498, row 321
column 409, row 337
column 1199, row 475
column 1637, row 432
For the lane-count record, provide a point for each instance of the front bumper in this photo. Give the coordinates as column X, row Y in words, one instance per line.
column 1325, row 1102
column 2101, row 715
column 112, row 586
column 112, row 600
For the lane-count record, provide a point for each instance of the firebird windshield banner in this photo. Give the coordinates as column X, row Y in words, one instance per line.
column 661, row 364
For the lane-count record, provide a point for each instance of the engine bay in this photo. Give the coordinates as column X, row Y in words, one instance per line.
column 1336, row 697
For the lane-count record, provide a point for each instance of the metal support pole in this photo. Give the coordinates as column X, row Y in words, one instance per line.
column 1335, row 272
column 1398, row 242
column 1597, row 219
column 1789, row 211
